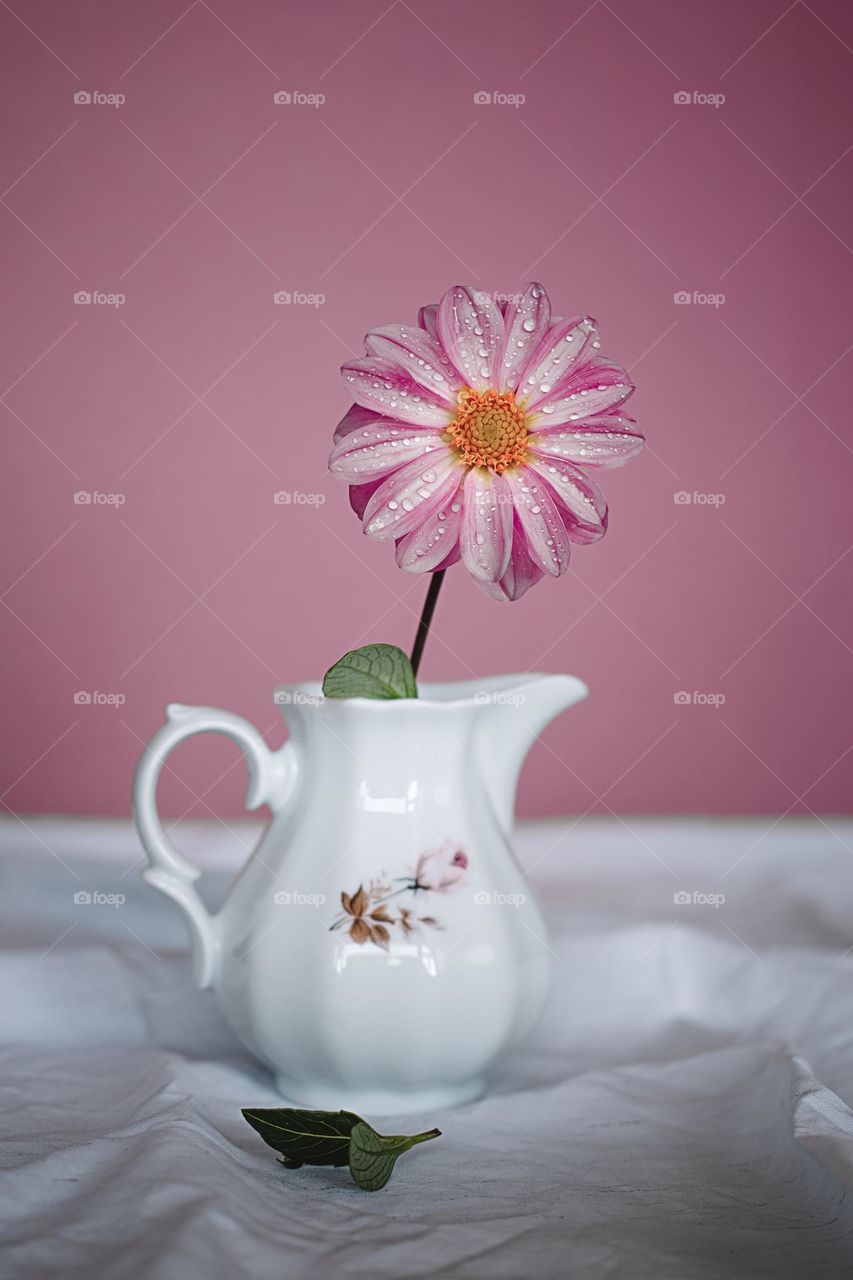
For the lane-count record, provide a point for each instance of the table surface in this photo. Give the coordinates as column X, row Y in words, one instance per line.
column 681, row 1111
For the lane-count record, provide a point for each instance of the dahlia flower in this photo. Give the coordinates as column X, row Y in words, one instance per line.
column 472, row 432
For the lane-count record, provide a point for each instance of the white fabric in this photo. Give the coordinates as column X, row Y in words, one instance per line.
column 681, row 1112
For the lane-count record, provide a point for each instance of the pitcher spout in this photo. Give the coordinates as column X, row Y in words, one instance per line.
column 515, row 712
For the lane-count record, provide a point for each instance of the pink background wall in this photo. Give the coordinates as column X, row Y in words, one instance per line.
column 198, row 398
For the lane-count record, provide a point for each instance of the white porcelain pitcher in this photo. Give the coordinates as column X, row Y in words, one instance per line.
column 380, row 950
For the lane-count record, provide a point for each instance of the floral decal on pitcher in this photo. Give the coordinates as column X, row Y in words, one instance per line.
column 366, row 915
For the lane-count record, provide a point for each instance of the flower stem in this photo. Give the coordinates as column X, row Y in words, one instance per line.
column 426, row 618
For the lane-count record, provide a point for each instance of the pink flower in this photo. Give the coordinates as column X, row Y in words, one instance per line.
column 471, row 432
column 440, row 869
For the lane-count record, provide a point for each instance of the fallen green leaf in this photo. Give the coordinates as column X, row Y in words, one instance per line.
column 372, row 1157
column 305, row 1137
column 333, row 1138
column 373, row 671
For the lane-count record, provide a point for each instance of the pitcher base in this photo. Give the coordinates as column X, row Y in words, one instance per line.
column 377, row 1102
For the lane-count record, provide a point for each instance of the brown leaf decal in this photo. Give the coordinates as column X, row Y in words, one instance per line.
column 359, row 932
column 346, row 903
column 381, row 913
column 380, row 935
column 360, row 902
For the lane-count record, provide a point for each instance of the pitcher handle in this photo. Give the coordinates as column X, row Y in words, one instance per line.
column 270, row 777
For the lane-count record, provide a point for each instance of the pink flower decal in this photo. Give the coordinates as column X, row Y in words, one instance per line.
column 472, row 432
column 440, row 869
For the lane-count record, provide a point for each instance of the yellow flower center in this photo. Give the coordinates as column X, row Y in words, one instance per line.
column 489, row 430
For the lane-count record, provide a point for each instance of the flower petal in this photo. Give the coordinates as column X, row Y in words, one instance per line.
column 522, row 571
column 434, row 544
column 411, row 494
column 559, row 352
column 471, row 330
column 360, row 495
column 426, row 319
column 486, row 535
column 609, row 440
column 526, row 323
column 354, row 418
column 594, row 388
column 541, row 521
column 390, row 391
column 373, row 451
column 419, row 355
column 579, row 499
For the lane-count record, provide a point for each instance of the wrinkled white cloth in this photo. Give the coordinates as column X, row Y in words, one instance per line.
column 682, row 1110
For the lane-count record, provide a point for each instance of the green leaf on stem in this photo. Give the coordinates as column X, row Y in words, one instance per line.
column 373, row 671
